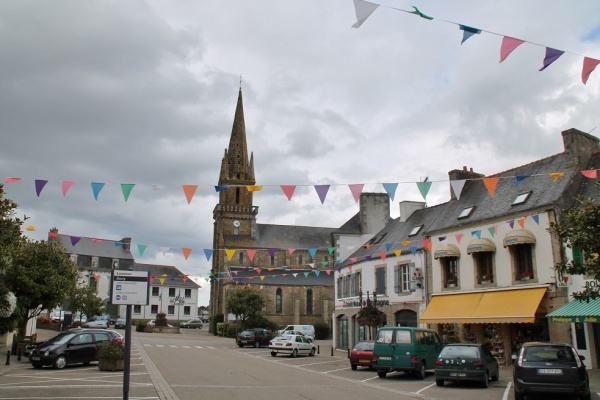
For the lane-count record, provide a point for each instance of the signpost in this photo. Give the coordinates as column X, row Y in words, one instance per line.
column 128, row 288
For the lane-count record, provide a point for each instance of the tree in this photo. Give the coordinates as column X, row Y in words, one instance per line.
column 245, row 303
column 41, row 276
column 579, row 229
column 85, row 301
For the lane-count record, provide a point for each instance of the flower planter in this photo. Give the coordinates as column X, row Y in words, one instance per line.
column 111, row 365
column 486, row 282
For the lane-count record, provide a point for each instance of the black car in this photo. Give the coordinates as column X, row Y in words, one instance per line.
column 542, row 367
column 254, row 337
column 75, row 346
column 459, row 362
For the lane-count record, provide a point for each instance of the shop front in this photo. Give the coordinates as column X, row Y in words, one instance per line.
column 503, row 319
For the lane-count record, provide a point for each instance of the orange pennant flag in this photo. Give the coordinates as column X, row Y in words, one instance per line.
column 254, row 188
column 522, row 222
column 186, row 252
column 556, row 175
column 490, row 184
column 189, row 191
column 229, row 253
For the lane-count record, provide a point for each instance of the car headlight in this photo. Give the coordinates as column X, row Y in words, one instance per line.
column 46, row 353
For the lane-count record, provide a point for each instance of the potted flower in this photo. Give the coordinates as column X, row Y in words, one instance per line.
column 370, row 316
column 485, row 279
column 111, row 355
column 451, row 282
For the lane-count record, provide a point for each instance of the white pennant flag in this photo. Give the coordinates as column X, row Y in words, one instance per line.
column 457, row 187
column 363, row 9
column 164, row 250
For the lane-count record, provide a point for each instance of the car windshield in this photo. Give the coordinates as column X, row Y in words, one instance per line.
column 364, row 346
column 548, row 353
column 61, row 338
column 460, row 351
column 247, row 333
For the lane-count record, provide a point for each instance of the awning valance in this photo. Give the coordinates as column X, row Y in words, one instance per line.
column 450, row 250
column 577, row 311
column 518, row 236
column 489, row 307
column 477, row 245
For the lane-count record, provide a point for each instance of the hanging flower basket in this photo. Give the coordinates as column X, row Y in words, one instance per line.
column 370, row 316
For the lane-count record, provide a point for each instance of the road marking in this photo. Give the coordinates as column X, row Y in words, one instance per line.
column 172, row 345
column 370, row 379
column 425, row 388
column 317, row 363
column 506, row 391
column 335, row 370
column 186, row 347
column 160, row 345
column 198, row 347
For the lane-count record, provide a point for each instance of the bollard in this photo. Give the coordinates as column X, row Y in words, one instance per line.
column 19, row 353
column 348, row 353
column 8, row 357
column 331, row 351
column 319, row 349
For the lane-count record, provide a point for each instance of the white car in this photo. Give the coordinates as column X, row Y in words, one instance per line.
column 292, row 345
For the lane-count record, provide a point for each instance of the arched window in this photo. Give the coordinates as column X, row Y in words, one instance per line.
column 309, row 301
column 278, row 301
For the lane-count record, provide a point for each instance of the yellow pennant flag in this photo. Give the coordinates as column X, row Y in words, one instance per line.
column 254, row 188
column 230, row 253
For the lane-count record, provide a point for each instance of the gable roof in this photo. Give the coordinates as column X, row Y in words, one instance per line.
column 173, row 276
column 93, row 247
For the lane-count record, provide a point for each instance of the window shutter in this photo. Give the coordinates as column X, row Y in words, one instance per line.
column 396, row 279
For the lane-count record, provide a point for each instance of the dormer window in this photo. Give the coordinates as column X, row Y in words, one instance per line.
column 466, row 212
column 521, row 198
column 415, row 230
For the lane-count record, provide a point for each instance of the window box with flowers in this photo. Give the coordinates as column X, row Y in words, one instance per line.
column 451, row 282
column 370, row 316
column 111, row 355
column 485, row 279
column 525, row 276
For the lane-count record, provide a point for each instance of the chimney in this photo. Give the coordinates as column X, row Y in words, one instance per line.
column 409, row 207
column 458, row 175
column 374, row 212
column 126, row 244
column 579, row 147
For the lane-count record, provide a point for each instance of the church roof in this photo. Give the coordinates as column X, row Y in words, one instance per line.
column 292, row 236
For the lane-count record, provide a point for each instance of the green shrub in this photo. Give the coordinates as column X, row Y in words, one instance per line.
column 218, row 318
column 140, row 326
column 321, row 331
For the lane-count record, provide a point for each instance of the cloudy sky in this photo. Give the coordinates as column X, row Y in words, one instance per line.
column 144, row 92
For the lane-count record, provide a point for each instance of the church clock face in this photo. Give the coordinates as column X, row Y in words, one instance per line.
column 236, row 223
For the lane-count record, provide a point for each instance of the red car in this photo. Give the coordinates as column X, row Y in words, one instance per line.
column 362, row 354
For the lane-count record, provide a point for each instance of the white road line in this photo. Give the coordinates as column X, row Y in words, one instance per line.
column 172, row 345
column 335, row 370
column 317, row 363
column 186, row 347
column 506, row 391
column 370, row 379
column 425, row 388
column 160, row 345
column 198, row 347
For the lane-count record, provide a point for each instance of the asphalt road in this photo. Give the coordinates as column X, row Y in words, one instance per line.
column 196, row 364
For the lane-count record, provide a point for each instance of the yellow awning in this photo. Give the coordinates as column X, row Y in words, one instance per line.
column 489, row 307
column 451, row 250
column 477, row 245
column 518, row 236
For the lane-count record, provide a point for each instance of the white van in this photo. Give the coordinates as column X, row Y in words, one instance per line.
column 306, row 330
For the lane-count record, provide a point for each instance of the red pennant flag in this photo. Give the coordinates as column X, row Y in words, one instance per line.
column 66, row 185
column 12, row 180
column 251, row 254
column 588, row 66
column 508, row 45
column 592, row 173
column 288, row 190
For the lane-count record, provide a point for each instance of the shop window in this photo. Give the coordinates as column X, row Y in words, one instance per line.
column 278, row 301
column 484, row 266
column 522, row 258
column 449, row 271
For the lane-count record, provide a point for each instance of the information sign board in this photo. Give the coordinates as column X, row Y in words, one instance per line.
column 129, row 287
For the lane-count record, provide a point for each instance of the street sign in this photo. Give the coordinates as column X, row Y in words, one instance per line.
column 129, row 287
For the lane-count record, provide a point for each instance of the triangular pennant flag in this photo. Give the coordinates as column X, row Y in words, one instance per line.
column 52, row 234
column 492, row 230
column 413, row 250
column 459, row 237
column 331, row 250
column 251, row 253
column 272, row 252
column 126, row 188
column 590, row 173
column 221, row 188
column 390, row 189
column 317, row 272
column 350, row 267
column 398, row 252
column 312, row 252
column 383, row 256
column 457, row 187
column 388, row 246
column 490, row 184
column 353, row 259
column 468, row 32
column 322, row 190
column 185, row 278
column 520, row 178
column 186, row 252
column 420, row 14
column 295, row 275
column 116, row 244
column 424, row 188
column 262, row 277
column 208, row 253
column 12, row 180
column 142, row 248
column 356, row 190
column 152, row 278
column 589, row 64
column 556, row 175
column 291, row 251
column 96, row 188
column 521, row 222
column 328, row 272
column 476, row 233
column 162, row 280
column 258, row 270
column 426, row 244
column 288, row 190
column 406, row 243
column 75, row 240
column 306, row 274
column 31, row 228
column 508, row 45
column 442, row 239
column 39, row 186
column 254, row 188
column 157, row 186
column 189, row 191
column 511, row 223
column 66, row 185
column 368, row 245
column 229, row 253
column 363, row 10
column 551, row 56
column 536, row 218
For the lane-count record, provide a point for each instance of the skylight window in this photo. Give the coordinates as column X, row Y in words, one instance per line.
column 467, row 211
column 415, row 230
column 522, row 198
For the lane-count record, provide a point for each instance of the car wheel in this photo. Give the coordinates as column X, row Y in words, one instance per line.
column 496, row 376
column 519, row 396
column 354, row 367
column 439, row 382
column 241, row 345
column 381, row 374
column 486, row 380
column 294, row 353
column 36, row 365
column 60, row 362
column 312, row 352
column 420, row 373
column 256, row 345
column 273, row 353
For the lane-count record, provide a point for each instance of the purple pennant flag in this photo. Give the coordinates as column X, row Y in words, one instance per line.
column 272, row 252
column 368, row 258
column 551, row 56
column 39, row 185
column 322, row 191
column 75, row 240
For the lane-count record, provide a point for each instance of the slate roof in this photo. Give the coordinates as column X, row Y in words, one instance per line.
column 282, row 277
column 589, row 188
column 174, row 275
column 351, row 227
column 288, row 237
column 94, row 247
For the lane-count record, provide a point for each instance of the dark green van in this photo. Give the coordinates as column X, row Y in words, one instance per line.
column 407, row 349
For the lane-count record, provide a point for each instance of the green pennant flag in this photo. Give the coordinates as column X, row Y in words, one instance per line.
column 126, row 188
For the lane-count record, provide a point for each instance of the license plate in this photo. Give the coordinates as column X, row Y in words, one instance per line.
column 36, row 358
column 549, row 371
column 459, row 374
column 364, row 361
column 385, row 358
column 278, row 344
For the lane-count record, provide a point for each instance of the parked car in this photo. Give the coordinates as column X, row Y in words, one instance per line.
column 459, row 362
column 97, row 323
column 292, row 345
column 362, row 355
column 120, row 323
column 307, row 330
column 543, row 367
column 312, row 339
column 195, row 323
column 254, row 337
column 74, row 346
column 204, row 320
column 152, row 323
